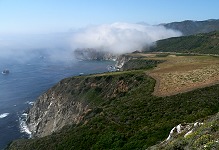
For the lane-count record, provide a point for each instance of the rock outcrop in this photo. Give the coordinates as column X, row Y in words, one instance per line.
column 121, row 60
column 53, row 110
column 198, row 135
column 185, row 129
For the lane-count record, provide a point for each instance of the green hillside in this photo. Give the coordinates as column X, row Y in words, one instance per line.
column 190, row 27
column 125, row 114
column 206, row 43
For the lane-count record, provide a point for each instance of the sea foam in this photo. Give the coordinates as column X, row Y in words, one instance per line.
column 23, row 125
column 28, row 102
column 3, row 115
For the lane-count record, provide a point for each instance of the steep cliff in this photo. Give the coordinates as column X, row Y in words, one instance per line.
column 53, row 110
column 71, row 100
column 121, row 60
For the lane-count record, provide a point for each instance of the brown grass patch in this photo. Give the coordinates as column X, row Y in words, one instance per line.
column 184, row 73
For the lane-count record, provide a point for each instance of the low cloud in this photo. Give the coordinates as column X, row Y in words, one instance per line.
column 120, row 38
column 115, row 38
column 23, row 48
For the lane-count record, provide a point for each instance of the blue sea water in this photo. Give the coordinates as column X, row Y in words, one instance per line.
column 29, row 79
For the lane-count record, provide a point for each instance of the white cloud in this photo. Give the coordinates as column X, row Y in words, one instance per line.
column 115, row 38
column 120, row 37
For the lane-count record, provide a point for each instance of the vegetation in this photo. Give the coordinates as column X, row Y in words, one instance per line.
column 135, row 64
column 204, row 137
column 189, row 27
column 162, row 55
column 206, row 43
column 183, row 73
column 125, row 114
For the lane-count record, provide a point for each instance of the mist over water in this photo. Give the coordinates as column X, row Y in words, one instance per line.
column 116, row 38
column 23, row 48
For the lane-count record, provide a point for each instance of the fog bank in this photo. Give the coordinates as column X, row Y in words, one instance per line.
column 120, row 37
column 26, row 47
column 116, row 38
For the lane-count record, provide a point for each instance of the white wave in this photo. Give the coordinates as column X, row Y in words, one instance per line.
column 23, row 125
column 30, row 103
column 3, row 115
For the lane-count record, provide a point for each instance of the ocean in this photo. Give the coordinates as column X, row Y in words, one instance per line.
column 29, row 79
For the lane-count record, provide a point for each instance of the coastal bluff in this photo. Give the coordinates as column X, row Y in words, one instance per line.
column 73, row 101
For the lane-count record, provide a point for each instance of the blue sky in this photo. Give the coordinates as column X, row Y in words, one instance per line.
column 45, row 16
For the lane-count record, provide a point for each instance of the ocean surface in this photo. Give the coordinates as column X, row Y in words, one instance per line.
column 29, row 79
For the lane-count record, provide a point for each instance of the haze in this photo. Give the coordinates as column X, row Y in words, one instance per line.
column 58, row 27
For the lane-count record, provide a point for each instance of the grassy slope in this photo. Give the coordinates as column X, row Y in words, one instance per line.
column 132, row 119
column 206, row 43
column 136, row 64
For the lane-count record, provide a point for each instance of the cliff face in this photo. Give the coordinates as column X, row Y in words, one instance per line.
column 53, row 110
column 121, row 60
column 74, row 101
column 93, row 54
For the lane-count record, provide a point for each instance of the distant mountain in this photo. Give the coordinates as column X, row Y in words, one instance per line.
column 205, row 43
column 189, row 27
